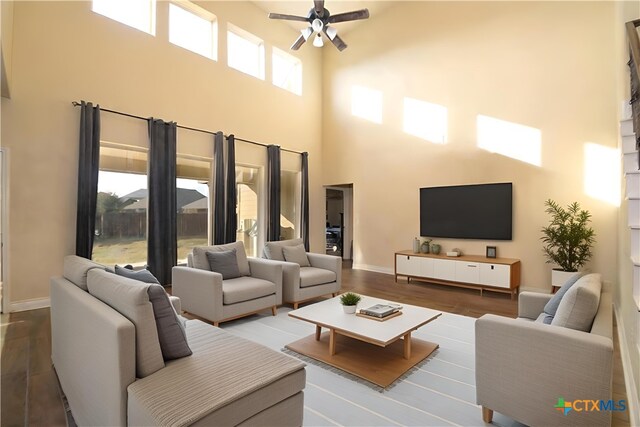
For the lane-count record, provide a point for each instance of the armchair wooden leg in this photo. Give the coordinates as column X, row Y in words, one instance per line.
column 295, row 305
column 274, row 310
column 216, row 324
column 334, row 294
column 487, row 415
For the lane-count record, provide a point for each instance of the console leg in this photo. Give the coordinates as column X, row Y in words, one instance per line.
column 487, row 415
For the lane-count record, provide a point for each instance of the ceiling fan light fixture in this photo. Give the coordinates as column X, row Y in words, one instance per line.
column 306, row 33
column 331, row 33
column 317, row 25
column 317, row 41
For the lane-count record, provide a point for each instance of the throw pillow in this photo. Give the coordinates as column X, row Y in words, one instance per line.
column 580, row 304
column 225, row 263
column 552, row 305
column 141, row 275
column 296, row 254
column 130, row 298
column 171, row 331
column 200, row 256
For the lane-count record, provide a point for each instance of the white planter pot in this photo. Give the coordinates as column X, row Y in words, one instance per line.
column 559, row 277
column 349, row 309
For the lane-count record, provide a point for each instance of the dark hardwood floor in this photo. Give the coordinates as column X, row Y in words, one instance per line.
column 29, row 387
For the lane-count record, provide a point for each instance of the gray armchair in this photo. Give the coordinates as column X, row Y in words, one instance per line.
column 524, row 366
column 204, row 292
column 301, row 284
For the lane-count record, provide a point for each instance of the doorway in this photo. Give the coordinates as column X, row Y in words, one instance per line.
column 339, row 221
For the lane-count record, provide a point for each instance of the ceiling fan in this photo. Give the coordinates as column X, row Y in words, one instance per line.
column 319, row 19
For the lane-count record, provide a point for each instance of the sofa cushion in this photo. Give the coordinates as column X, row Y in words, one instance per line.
column 200, row 258
column 171, row 331
column 141, row 275
column 312, row 276
column 225, row 263
column 76, row 268
column 130, row 298
column 552, row 306
column 296, row 254
column 226, row 380
column 245, row 289
column 273, row 250
column 579, row 305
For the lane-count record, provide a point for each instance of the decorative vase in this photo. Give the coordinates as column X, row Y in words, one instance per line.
column 349, row 309
column 424, row 248
column 416, row 246
column 435, row 248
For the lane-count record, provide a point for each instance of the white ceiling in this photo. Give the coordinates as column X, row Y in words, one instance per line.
column 301, row 8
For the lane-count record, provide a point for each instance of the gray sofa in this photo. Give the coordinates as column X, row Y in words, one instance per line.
column 96, row 352
column 524, row 366
column 300, row 284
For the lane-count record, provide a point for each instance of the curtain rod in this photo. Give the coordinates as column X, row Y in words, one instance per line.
column 77, row 104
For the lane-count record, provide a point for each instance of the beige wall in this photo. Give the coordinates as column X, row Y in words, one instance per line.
column 628, row 314
column 62, row 52
column 545, row 65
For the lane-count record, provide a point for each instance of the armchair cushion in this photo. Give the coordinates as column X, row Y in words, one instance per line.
column 245, row 289
column 552, row 306
column 296, row 254
column 579, row 305
column 171, row 331
column 312, row 276
column 273, row 250
column 130, row 298
column 225, row 263
column 200, row 258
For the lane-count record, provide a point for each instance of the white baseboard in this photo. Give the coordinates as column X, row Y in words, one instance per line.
column 373, row 268
column 32, row 304
column 633, row 404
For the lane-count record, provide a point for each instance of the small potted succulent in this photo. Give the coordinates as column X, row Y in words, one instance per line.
column 349, row 302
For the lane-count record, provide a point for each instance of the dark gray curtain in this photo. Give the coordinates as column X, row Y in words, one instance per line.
column 304, row 220
column 162, row 246
column 88, row 166
column 231, row 218
column 218, row 190
column 273, row 193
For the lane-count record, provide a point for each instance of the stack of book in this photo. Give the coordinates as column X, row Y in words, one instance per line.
column 381, row 310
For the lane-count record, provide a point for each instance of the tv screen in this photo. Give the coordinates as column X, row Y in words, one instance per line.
column 467, row 211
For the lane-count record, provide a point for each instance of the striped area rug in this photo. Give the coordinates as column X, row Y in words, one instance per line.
column 440, row 392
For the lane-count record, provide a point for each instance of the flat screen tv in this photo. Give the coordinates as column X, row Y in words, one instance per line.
column 482, row 211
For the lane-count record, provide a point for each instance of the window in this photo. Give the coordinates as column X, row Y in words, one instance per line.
column 192, row 198
column 425, row 120
column 193, row 28
column 121, row 211
column 245, row 52
column 289, row 202
column 366, row 103
column 139, row 14
column 287, row 71
column 248, row 184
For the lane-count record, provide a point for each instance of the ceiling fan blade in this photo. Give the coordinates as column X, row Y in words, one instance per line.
column 336, row 40
column 349, row 16
column 318, row 6
column 287, row 17
column 299, row 42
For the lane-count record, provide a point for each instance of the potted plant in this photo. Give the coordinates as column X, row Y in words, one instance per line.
column 568, row 240
column 349, row 302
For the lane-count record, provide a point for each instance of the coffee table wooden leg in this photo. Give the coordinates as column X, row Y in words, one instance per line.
column 407, row 346
column 318, row 332
column 332, row 342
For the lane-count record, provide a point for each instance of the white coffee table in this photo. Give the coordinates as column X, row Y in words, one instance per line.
column 379, row 352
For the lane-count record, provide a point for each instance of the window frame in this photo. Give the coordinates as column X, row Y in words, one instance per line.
column 201, row 13
column 152, row 18
column 251, row 38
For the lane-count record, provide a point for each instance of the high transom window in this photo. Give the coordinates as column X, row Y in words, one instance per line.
column 193, row 28
column 245, row 52
column 139, row 14
column 287, row 71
